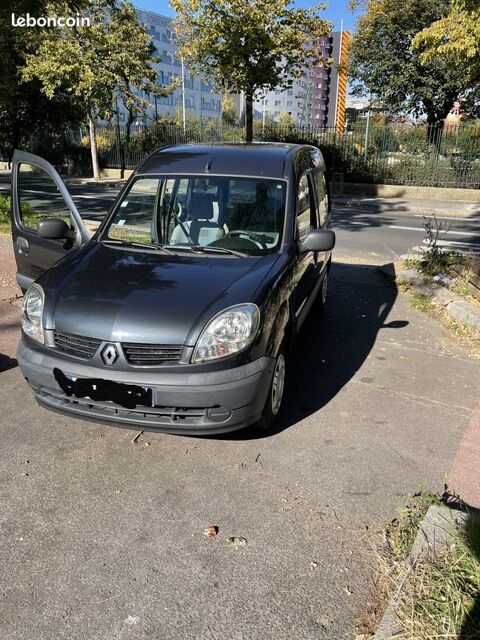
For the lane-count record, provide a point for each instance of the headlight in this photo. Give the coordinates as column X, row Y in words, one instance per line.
column 32, row 312
column 228, row 332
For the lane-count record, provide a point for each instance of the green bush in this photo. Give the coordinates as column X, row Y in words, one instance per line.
column 28, row 214
column 5, row 205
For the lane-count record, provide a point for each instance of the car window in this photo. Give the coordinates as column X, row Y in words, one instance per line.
column 322, row 197
column 39, row 197
column 243, row 214
column 305, row 217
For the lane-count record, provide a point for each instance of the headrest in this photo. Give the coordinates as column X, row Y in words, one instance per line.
column 201, row 207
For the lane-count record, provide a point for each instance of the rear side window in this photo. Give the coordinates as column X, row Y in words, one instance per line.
column 305, row 219
column 322, row 196
column 39, row 197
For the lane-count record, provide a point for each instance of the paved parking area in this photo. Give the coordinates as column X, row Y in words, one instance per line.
column 102, row 538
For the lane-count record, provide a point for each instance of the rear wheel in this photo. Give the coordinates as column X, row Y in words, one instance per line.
column 275, row 394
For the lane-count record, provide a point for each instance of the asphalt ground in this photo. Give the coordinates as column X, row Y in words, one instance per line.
column 103, row 538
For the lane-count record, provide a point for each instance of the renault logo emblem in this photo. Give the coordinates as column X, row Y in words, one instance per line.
column 109, row 354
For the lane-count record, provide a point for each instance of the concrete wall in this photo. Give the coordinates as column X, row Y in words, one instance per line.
column 400, row 191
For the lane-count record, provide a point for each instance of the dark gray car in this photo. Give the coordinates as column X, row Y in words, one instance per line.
column 178, row 313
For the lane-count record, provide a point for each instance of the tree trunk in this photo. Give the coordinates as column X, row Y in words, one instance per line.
column 128, row 124
column 249, row 116
column 434, row 130
column 92, row 128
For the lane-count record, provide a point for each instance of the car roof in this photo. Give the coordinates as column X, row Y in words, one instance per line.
column 268, row 159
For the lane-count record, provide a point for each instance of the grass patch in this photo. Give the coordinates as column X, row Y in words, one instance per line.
column 424, row 303
column 400, row 533
column 467, row 334
column 441, row 595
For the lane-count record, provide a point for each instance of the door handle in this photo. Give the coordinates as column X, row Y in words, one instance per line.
column 22, row 246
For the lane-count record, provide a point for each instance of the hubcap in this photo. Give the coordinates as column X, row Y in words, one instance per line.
column 324, row 288
column 278, row 384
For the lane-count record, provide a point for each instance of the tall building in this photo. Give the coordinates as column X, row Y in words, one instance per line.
column 200, row 98
column 318, row 97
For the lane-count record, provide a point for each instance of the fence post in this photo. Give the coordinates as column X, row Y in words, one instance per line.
column 367, row 131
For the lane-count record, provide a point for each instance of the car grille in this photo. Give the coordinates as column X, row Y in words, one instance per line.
column 151, row 354
column 76, row 345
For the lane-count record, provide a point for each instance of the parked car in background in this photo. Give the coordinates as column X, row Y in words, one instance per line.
column 178, row 313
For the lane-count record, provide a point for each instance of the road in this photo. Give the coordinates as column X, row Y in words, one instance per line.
column 103, row 537
column 389, row 234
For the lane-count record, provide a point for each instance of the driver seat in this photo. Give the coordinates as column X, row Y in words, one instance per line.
column 199, row 226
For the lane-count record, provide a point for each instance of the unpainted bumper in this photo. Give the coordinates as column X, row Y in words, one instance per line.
column 187, row 403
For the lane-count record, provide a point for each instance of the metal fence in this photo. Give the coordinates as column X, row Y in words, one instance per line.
column 441, row 156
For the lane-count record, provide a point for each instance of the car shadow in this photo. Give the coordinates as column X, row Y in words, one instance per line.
column 6, row 362
column 331, row 349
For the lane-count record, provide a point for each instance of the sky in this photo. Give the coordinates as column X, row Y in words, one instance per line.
column 335, row 11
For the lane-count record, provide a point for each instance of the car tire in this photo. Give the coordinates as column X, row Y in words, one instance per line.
column 275, row 394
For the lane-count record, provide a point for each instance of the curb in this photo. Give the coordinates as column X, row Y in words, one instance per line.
column 434, row 535
column 456, row 307
column 471, row 210
column 110, row 182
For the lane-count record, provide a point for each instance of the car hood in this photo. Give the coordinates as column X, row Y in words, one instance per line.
column 126, row 295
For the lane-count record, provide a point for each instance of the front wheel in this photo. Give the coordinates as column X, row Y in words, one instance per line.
column 275, row 394
column 322, row 294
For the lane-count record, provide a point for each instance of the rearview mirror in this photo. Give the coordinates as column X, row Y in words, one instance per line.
column 318, row 240
column 53, row 229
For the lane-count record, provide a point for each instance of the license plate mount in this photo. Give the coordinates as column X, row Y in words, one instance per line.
column 126, row 395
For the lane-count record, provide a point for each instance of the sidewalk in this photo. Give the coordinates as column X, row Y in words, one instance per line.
column 456, row 209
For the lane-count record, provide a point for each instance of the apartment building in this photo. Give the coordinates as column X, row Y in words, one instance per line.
column 200, row 98
column 317, row 98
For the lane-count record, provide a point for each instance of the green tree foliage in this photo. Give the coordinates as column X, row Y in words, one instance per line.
column 247, row 46
column 229, row 113
column 384, row 62
column 92, row 64
column 456, row 39
column 285, row 120
column 23, row 107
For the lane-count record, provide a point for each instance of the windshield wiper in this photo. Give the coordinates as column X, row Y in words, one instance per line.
column 198, row 248
column 140, row 245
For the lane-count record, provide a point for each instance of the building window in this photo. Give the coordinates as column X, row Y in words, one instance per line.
column 278, row 103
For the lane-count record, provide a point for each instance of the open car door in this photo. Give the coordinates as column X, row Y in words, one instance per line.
column 39, row 193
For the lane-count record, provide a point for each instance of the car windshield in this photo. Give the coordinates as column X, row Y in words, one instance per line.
column 217, row 214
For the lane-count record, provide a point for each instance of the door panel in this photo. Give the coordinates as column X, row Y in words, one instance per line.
column 323, row 213
column 306, row 274
column 38, row 192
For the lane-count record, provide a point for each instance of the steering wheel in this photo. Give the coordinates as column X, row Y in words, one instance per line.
column 256, row 238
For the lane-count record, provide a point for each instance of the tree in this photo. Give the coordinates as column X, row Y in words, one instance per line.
column 456, row 39
column 285, row 120
column 91, row 63
column 246, row 46
column 229, row 113
column 383, row 61
column 23, row 107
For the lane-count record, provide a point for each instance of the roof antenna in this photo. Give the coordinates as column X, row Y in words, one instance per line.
column 210, row 159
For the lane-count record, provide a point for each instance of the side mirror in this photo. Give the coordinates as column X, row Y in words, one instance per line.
column 53, row 229
column 318, row 240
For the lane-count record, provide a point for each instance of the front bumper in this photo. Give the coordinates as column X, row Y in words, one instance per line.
column 188, row 403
